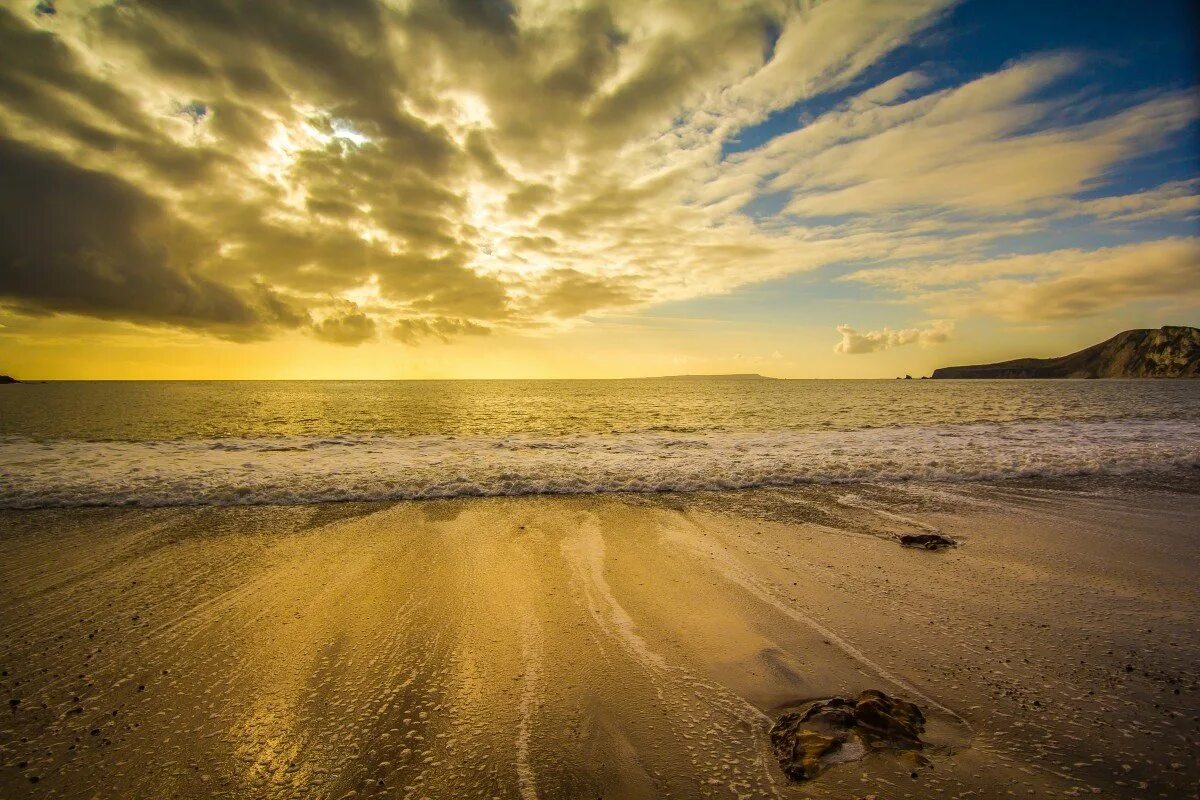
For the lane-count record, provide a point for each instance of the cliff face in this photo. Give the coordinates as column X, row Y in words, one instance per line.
column 1172, row 351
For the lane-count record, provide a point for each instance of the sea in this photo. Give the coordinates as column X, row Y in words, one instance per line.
column 145, row 443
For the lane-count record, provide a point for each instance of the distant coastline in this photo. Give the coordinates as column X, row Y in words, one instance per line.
column 731, row 376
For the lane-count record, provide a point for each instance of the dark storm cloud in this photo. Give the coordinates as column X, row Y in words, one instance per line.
column 285, row 312
column 496, row 17
column 46, row 83
column 42, row 77
column 80, row 241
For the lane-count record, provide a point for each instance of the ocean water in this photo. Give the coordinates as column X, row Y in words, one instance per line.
column 180, row 443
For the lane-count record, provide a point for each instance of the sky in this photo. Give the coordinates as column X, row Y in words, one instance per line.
column 573, row 189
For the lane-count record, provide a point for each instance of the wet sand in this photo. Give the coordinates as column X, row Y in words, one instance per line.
column 604, row 646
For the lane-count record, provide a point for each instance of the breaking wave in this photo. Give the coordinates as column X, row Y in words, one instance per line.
column 291, row 470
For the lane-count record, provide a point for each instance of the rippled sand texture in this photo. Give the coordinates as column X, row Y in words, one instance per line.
column 599, row 647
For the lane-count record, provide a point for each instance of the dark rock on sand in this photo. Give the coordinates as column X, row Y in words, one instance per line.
column 926, row 541
column 839, row 730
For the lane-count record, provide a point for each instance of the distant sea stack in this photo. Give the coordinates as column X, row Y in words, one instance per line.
column 1172, row 351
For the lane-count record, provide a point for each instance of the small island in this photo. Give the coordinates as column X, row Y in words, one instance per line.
column 8, row 379
column 733, row 376
column 1172, row 351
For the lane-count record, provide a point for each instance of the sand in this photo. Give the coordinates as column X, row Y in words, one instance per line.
column 602, row 646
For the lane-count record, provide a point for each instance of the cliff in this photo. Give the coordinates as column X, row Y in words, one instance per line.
column 1172, row 351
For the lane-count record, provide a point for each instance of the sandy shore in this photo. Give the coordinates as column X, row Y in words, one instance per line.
column 605, row 646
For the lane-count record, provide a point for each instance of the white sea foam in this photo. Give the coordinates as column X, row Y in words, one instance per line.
column 285, row 470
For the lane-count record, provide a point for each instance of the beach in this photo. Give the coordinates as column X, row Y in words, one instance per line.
column 611, row 645
column 663, row 400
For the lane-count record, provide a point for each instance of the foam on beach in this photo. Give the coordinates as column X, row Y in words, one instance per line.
column 306, row 469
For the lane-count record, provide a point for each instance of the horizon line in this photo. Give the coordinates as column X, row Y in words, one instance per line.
column 731, row 376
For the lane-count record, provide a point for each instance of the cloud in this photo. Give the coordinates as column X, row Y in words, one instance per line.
column 231, row 118
column 242, row 168
column 346, row 325
column 856, row 343
column 825, row 47
column 81, row 241
column 1059, row 284
column 569, row 293
column 412, row 331
column 1179, row 199
column 1077, row 283
column 984, row 147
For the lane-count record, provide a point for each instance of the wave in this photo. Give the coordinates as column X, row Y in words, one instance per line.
column 292, row 470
